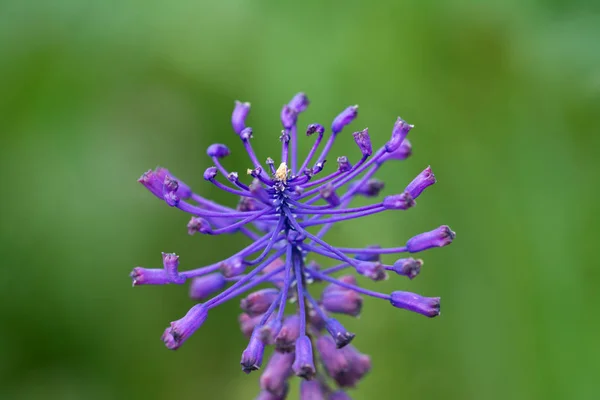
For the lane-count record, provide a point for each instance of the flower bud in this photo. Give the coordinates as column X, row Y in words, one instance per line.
column 401, row 153
column 304, row 365
column 332, row 358
column 258, row 302
column 253, row 354
column 343, row 119
column 180, row 330
column 198, row 224
column 339, row 395
column 439, row 237
column 363, row 140
column 402, row 201
column 328, row 194
column 234, row 267
column 210, row 173
column 358, row 365
column 339, row 334
column 246, row 133
column 408, row 267
column 420, row 183
column 343, row 164
column 248, row 323
column 315, row 128
column 428, row 306
column 277, row 371
column 399, row 132
column 299, row 102
column 372, row 270
column 203, row 286
column 149, row 276
column 152, row 183
column 370, row 188
column 289, row 116
column 342, row 301
column 171, row 263
column 238, row 118
column 217, row 150
column 289, row 332
column 312, row 390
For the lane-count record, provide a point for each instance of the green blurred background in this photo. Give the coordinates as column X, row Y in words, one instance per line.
column 505, row 97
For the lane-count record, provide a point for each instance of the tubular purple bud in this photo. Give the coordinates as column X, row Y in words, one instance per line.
column 315, row 128
column 315, row 319
column 171, row 263
column 210, row 173
column 363, row 140
column 399, row 132
column 318, row 167
column 269, row 331
column 183, row 190
column 289, row 332
column 439, row 237
column 217, row 150
column 428, row 306
column 238, row 118
column 343, row 164
column 370, row 188
column 247, row 204
column 372, row 270
column 358, row 365
column 149, row 276
column 258, row 302
column 299, row 102
column 328, row 194
column 277, row 371
column 369, row 256
column 401, row 153
column 246, row 133
column 198, row 224
column 152, row 183
column 248, row 323
column 349, row 279
column 420, row 183
column 339, row 395
column 343, row 119
column 234, row 267
column 289, row 116
column 266, row 395
column 253, row 354
column 311, row 390
column 339, row 334
column 304, row 365
column 180, row 330
column 402, row 201
column 408, row 267
column 342, row 301
column 204, row 286
column 332, row 358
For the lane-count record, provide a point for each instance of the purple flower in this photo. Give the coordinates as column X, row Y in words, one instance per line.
column 274, row 210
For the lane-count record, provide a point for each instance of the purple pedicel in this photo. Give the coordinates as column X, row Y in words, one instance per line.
column 274, row 206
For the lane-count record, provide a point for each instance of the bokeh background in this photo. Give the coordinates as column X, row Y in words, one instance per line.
column 505, row 97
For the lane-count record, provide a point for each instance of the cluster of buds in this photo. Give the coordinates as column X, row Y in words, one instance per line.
column 275, row 211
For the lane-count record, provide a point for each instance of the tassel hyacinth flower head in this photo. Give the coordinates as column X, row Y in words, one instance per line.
column 275, row 210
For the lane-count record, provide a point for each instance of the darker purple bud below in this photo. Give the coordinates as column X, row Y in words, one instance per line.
column 408, row 267
column 171, row 264
column 399, row 132
column 238, row 118
column 401, row 153
column 420, row 183
column 248, row 323
column 363, row 140
column 342, row 301
column 439, row 237
column 247, row 204
column 246, row 133
column 312, row 390
column 203, row 286
column 343, row 164
column 210, row 173
column 328, row 194
column 339, row 395
column 402, row 201
column 339, row 334
column 269, row 331
column 315, row 128
column 332, row 358
column 198, row 224
column 180, row 330
column 266, row 395
column 332, row 287
column 234, row 267
column 152, row 182
column 358, row 365
column 170, row 187
column 253, row 354
column 182, row 191
column 289, row 332
column 299, row 102
column 258, row 302
column 304, row 365
column 370, row 188
column 217, row 150
column 276, row 373
column 343, row 119
column 289, row 116
column 369, row 256
column 149, row 276
column 428, row 306
column 372, row 270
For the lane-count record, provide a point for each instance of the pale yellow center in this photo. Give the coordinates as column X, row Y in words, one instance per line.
column 282, row 172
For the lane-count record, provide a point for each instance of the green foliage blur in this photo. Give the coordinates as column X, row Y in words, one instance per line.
column 505, row 98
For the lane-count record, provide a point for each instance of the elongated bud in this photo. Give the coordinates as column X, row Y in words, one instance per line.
column 399, row 132
column 420, row 183
column 269, row 331
column 204, row 286
column 372, row 270
column 439, row 237
column 299, row 102
column 266, row 395
column 248, row 323
column 342, row 301
column 363, row 140
column 343, row 164
column 252, row 356
column 304, row 365
column 343, row 119
column 402, row 201
column 370, row 188
column 234, row 267
column 152, row 183
column 258, row 302
column 180, row 330
column 198, row 224
column 358, row 365
column 401, row 153
column 428, row 306
column 339, row 334
column 312, row 390
column 210, row 173
column 277, row 371
column 149, row 276
column 171, row 264
column 217, row 150
column 289, row 332
column 183, row 191
column 328, row 194
column 238, row 118
column 408, row 267
column 373, row 257
column 333, row 359
column 315, row 128
column 289, row 116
